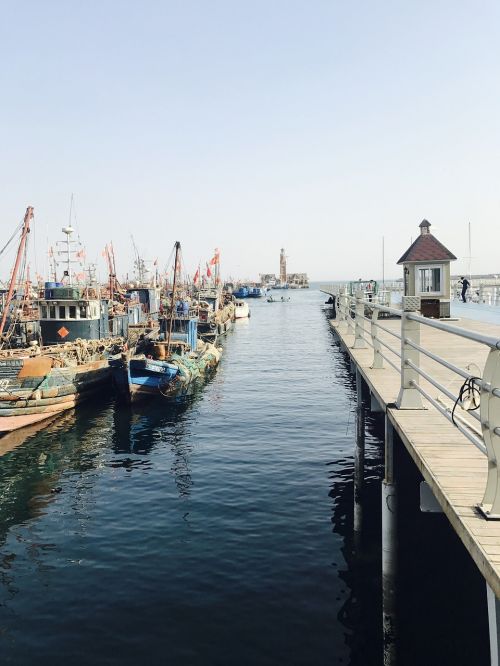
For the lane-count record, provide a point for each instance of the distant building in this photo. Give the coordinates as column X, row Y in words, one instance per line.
column 294, row 280
column 282, row 266
column 298, row 280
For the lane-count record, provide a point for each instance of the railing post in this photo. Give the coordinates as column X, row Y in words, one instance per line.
column 359, row 338
column 409, row 397
column 342, row 307
column 490, row 425
column 378, row 359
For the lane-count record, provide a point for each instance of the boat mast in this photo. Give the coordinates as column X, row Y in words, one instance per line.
column 172, row 300
column 22, row 244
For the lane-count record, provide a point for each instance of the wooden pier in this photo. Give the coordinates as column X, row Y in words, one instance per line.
column 452, row 464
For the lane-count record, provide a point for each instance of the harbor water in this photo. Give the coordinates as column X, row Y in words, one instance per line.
column 221, row 531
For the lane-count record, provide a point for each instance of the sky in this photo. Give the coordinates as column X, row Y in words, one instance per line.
column 317, row 126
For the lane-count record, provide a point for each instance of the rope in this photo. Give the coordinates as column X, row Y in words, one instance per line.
column 469, row 389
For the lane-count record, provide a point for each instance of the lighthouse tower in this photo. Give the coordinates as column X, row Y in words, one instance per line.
column 282, row 267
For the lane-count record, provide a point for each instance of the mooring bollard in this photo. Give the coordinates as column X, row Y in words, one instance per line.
column 409, row 397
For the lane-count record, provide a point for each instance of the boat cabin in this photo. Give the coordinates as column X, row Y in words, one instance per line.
column 68, row 313
column 184, row 331
column 209, row 300
column 426, row 267
column 149, row 298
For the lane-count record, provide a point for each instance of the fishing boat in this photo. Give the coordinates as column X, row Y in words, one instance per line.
column 40, row 381
column 215, row 313
column 169, row 365
column 242, row 292
column 255, row 292
column 241, row 309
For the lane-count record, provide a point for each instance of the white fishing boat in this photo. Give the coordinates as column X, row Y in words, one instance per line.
column 241, row 309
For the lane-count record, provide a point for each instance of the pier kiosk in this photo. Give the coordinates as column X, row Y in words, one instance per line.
column 426, row 265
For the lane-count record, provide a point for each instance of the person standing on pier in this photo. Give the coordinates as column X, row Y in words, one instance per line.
column 465, row 285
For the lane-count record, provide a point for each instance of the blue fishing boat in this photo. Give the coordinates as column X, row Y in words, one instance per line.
column 242, row 292
column 255, row 292
column 169, row 364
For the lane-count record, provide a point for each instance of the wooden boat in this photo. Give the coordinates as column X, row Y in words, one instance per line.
column 168, row 366
column 38, row 382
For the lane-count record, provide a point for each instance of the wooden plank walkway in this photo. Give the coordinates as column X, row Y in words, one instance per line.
column 453, row 467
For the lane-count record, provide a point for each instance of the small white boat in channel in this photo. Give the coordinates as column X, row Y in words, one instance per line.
column 241, row 309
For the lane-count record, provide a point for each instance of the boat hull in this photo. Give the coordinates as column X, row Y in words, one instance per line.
column 139, row 378
column 31, row 391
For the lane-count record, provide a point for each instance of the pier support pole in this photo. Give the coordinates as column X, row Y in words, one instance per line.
column 359, row 461
column 389, row 549
column 493, row 625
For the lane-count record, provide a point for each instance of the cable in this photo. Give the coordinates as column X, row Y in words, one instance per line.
column 470, row 389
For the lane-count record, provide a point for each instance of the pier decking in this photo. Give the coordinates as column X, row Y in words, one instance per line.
column 453, row 467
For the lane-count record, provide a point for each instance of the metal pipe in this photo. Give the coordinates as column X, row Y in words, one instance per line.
column 442, row 388
column 488, row 340
column 474, row 440
column 391, row 363
column 439, row 359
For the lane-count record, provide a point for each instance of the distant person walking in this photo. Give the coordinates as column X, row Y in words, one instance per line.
column 465, row 285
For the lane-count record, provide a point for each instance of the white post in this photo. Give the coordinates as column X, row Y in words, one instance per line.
column 359, row 459
column 342, row 307
column 490, row 425
column 359, row 338
column 389, row 549
column 409, row 397
column 493, row 624
column 378, row 359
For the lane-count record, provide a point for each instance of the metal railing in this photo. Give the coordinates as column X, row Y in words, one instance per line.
column 478, row 395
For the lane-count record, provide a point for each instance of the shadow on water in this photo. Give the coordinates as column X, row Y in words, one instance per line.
column 139, row 429
column 356, row 517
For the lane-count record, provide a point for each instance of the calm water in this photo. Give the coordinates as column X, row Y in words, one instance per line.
column 221, row 532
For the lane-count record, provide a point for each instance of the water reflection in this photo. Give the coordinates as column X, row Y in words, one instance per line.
column 355, row 489
column 139, row 430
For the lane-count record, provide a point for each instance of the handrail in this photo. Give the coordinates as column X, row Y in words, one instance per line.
column 354, row 311
column 474, row 440
column 488, row 340
column 442, row 388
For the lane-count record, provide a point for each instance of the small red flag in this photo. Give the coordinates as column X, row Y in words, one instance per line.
column 209, row 272
column 196, row 277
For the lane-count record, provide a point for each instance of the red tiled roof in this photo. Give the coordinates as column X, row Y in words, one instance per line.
column 427, row 248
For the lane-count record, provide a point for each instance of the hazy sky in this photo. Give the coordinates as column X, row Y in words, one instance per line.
column 251, row 125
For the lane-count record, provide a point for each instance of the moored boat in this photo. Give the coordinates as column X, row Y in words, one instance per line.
column 241, row 309
column 39, row 381
column 215, row 312
column 169, row 365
